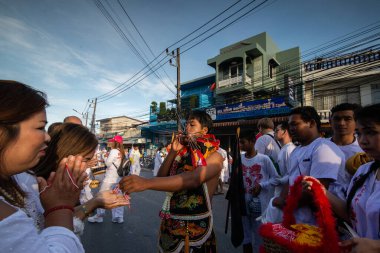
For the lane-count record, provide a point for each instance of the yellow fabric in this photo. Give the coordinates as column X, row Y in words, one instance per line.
column 308, row 235
column 94, row 184
column 355, row 161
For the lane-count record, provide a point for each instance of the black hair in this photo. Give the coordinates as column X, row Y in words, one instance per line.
column 53, row 127
column 369, row 113
column 18, row 103
column 160, row 146
column 345, row 107
column 308, row 113
column 248, row 135
column 284, row 125
column 203, row 118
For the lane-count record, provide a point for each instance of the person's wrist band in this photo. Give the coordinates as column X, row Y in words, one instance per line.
column 56, row 208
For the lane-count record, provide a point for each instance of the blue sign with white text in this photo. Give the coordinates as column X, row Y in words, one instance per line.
column 257, row 108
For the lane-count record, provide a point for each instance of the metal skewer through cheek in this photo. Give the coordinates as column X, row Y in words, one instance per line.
column 191, row 140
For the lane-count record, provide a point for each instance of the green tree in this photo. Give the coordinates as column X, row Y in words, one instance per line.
column 153, row 107
column 162, row 113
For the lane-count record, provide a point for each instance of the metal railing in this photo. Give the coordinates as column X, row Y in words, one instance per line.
column 230, row 81
column 325, row 115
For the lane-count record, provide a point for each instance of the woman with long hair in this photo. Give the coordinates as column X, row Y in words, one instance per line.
column 67, row 139
column 111, row 179
column 23, row 142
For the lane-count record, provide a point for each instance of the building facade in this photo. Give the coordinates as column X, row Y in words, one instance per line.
column 348, row 78
column 124, row 126
column 253, row 78
column 195, row 94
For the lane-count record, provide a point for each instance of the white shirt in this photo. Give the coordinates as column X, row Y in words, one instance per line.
column 283, row 163
column 283, row 158
column 33, row 207
column 266, row 145
column 135, row 158
column 366, row 205
column 86, row 194
column 259, row 170
column 339, row 188
column 319, row 159
column 114, row 158
column 18, row 234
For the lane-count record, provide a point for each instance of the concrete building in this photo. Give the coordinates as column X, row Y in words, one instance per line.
column 125, row 126
column 195, row 94
column 253, row 69
column 352, row 78
column 253, row 79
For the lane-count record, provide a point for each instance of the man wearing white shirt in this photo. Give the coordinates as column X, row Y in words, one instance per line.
column 266, row 144
column 343, row 125
column 282, row 135
column 134, row 156
column 316, row 157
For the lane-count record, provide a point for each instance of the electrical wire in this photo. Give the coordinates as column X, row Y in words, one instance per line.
column 120, row 91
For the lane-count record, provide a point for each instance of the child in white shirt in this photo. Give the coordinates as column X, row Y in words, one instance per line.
column 259, row 176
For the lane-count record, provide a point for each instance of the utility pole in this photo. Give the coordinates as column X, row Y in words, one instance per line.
column 86, row 118
column 93, row 118
column 178, row 65
column 179, row 111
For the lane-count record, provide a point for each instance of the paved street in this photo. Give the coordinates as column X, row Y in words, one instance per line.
column 139, row 231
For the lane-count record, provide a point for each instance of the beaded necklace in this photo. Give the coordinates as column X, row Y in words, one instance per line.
column 16, row 199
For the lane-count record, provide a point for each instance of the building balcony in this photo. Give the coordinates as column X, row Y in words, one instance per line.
column 232, row 84
column 325, row 115
column 230, row 81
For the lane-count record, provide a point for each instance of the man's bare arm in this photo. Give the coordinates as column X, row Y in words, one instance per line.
column 165, row 166
column 186, row 180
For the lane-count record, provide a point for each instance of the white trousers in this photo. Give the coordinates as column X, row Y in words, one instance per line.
column 117, row 212
column 135, row 170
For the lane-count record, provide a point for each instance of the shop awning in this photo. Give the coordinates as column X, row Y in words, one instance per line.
column 249, row 122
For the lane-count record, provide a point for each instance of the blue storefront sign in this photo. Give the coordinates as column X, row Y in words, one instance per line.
column 257, row 108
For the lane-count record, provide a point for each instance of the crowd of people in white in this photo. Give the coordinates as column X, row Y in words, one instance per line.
column 43, row 176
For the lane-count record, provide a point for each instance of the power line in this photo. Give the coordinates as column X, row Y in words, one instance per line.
column 208, row 22
column 114, row 92
column 212, row 34
column 146, row 44
column 123, row 36
column 321, row 49
column 114, row 24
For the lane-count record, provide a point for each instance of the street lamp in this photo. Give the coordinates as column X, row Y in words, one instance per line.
column 77, row 112
column 84, row 115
